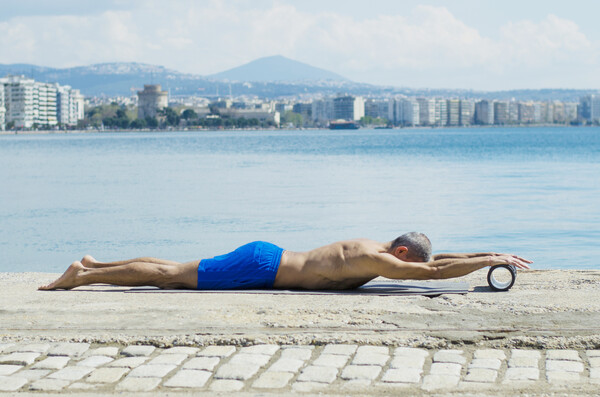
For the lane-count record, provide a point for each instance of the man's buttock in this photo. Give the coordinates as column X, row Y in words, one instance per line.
column 251, row 266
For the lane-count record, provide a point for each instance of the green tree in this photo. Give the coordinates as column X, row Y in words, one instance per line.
column 293, row 118
column 189, row 114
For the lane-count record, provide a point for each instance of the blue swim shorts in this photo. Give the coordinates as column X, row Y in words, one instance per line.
column 251, row 266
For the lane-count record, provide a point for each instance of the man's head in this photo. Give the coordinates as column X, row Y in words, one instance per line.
column 412, row 247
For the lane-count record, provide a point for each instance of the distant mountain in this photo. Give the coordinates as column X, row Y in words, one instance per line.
column 277, row 68
column 272, row 77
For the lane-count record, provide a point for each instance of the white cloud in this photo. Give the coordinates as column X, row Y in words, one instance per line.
column 426, row 47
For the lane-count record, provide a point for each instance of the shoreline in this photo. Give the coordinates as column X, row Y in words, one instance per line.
column 523, row 126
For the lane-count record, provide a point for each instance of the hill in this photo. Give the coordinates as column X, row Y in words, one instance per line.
column 277, row 68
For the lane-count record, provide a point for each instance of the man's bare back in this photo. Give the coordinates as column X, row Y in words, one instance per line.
column 342, row 265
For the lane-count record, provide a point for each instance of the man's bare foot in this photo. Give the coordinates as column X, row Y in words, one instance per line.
column 67, row 280
column 89, row 261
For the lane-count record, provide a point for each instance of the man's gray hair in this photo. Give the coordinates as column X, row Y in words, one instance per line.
column 419, row 246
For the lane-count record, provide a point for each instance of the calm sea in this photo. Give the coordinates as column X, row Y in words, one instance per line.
column 189, row 195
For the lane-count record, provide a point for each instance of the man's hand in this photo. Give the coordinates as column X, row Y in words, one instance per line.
column 508, row 259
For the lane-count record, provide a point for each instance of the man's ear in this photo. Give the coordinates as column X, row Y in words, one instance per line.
column 401, row 249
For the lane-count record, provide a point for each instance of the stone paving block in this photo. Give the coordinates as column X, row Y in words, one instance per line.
column 11, row 383
column 446, row 356
column 138, row 384
column 523, row 362
column 151, row 371
column 273, row 380
column 404, row 375
column 595, row 373
column 361, row 372
column 416, row 361
column 226, row 385
column 355, row 384
column 490, row 353
column 204, row 363
column 106, row 375
column 71, row 373
column 109, row 351
column 56, row 362
column 562, row 377
column 563, row 366
column 345, row 350
column 567, row 355
column 128, row 362
column 296, row 354
column 217, row 351
column 373, row 350
column 68, row 349
column 308, row 386
column 174, row 359
column 181, row 350
column 489, row 363
column 82, row 386
column 445, row 369
column 254, row 359
column 594, row 362
column 514, row 353
column 286, row 365
column 481, row 375
column 475, row 386
column 315, row 373
column 19, row 358
column 242, row 371
column 331, row 360
column 9, row 369
column 188, row 378
column 439, row 381
column 138, row 350
column 33, row 374
column 410, row 351
column 513, row 374
column 590, row 353
column 29, row 348
column 49, row 384
column 268, row 350
column 367, row 357
column 95, row 361
column 5, row 346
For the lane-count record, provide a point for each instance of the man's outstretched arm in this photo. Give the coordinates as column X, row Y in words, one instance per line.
column 387, row 265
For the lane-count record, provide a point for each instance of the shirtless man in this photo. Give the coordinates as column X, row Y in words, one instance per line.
column 342, row 265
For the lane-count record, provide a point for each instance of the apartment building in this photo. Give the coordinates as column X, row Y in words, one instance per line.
column 2, row 109
column 348, row 108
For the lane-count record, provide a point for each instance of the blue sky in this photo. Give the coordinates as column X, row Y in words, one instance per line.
column 487, row 45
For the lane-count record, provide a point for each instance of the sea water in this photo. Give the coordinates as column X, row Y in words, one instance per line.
column 190, row 195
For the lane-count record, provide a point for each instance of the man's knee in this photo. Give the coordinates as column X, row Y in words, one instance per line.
column 168, row 276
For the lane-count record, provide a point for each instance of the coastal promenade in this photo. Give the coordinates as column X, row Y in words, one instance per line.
column 540, row 337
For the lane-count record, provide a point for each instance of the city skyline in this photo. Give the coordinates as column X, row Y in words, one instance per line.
column 437, row 44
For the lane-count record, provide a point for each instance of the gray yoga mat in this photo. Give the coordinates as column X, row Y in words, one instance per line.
column 378, row 288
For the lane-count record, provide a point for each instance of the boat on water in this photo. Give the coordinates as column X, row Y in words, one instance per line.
column 343, row 125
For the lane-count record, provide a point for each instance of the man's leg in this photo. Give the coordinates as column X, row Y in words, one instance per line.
column 184, row 275
column 90, row 261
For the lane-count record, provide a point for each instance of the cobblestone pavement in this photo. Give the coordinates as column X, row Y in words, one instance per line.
column 53, row 367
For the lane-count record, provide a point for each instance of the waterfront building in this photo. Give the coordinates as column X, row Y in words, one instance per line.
column 513, row 112
column 258, row 114
column 526, row 112
column 426, row 111
column 467, row 110
column 378, row 109
column 348, row 108
column 484, row 112
column 453, row 106
column 441, row 112
column 501, row 112
column 2, row 109
column 408, row 112
column 571, row 109
column 590, row 108
column 304, row 109
column 284, row 107
column 322, row 110
column 151, row 100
